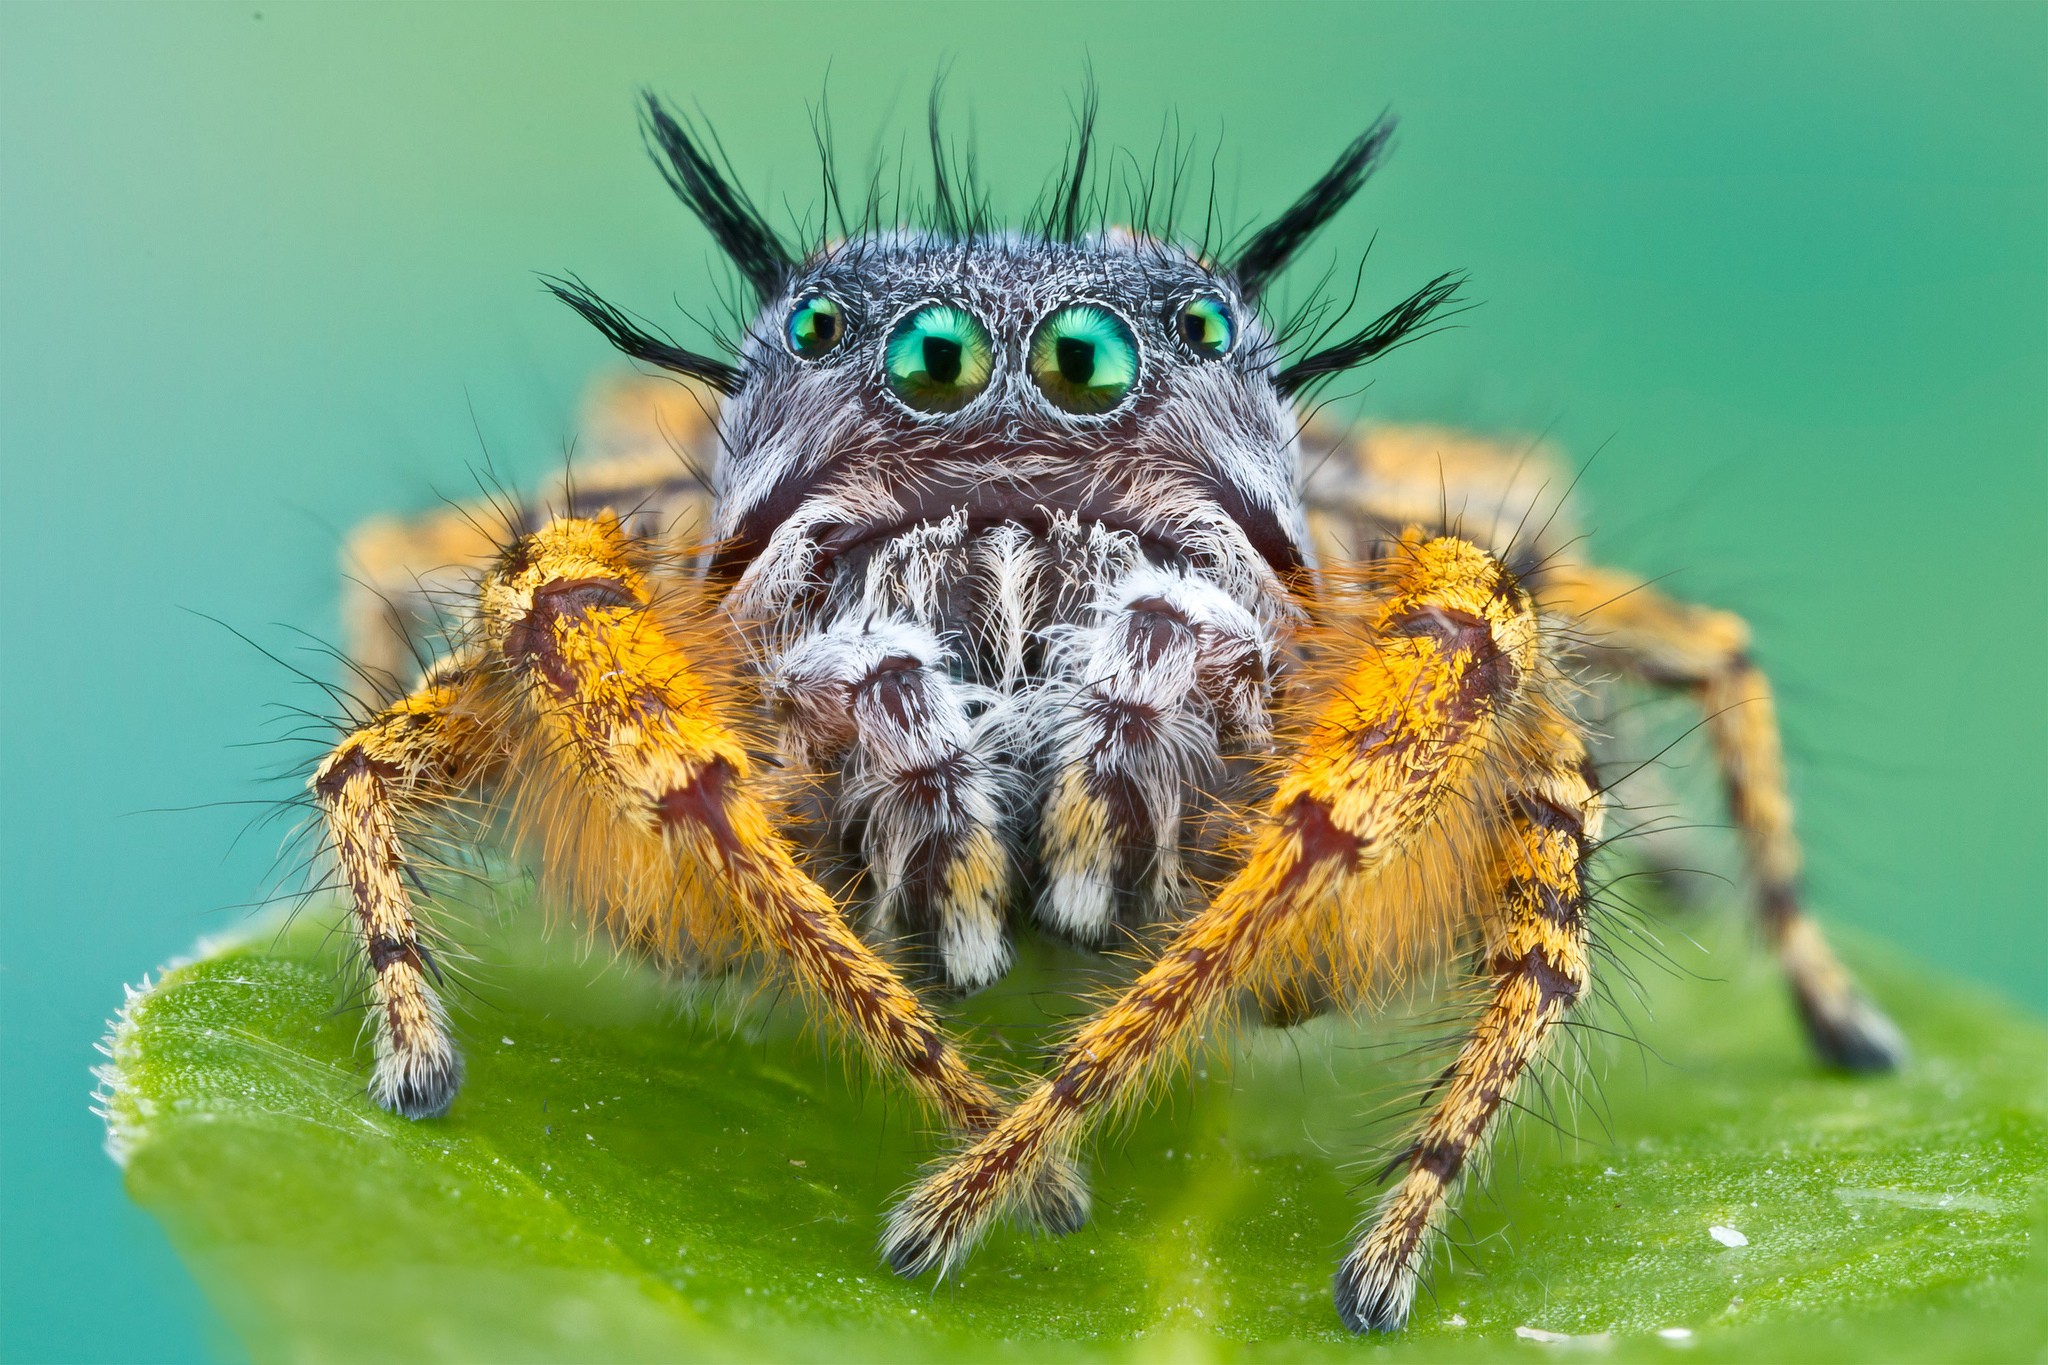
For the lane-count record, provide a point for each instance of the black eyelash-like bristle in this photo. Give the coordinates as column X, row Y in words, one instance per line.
column 1406, row 321
column 1065, row 206
column 1269, row 251
column 625, row 334
column 945, row 212
column 705, row 189
column 1070, row 214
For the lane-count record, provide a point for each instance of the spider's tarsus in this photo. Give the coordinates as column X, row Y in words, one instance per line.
column 1370, row 1297
column 1849, row 1033
column 921, row 1236
column 419, row 1087
column 912, row 1245
column 1058, row 1201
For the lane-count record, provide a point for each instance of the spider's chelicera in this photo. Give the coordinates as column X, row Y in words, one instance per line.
column 1020, row 557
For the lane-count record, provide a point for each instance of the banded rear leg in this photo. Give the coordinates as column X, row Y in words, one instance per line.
column 1705, row 653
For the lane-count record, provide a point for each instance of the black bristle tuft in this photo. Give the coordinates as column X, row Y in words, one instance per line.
column 1406, row 321
column 1268, row 252
column 705, row 189
column 945, row 212
column 1063, row 216
column 623, row 333
column 1070, row 217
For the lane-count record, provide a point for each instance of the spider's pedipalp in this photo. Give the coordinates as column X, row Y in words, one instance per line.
column 1144, row 699
column 1446, row 652
column 918, row 776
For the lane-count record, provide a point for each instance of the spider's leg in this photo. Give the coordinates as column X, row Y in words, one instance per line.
column 1442, row 656
column 402, row 578
column 412, row 757
column 1704, row 652
column 1535, row 952
column 634, row 720
column 1170, row 667
column 917, row 775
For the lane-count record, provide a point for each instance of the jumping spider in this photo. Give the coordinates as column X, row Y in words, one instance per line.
column 1019, row 556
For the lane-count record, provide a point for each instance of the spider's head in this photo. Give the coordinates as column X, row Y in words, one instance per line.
column 897, row 378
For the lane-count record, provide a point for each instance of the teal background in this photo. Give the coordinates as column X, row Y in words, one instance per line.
column 261, row 265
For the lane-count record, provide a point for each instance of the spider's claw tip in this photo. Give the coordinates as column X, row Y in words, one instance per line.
column 912, row 1246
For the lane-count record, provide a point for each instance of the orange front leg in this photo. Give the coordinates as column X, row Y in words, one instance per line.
column 1446, row 651
column 629, row 724
column 1535, row 951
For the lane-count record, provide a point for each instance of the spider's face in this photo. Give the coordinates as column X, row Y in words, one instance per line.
column 901, row 380
column 989, row 435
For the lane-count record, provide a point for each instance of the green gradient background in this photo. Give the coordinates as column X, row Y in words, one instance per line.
column 259, row 263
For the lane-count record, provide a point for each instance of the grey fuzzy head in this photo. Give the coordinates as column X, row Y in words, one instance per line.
column 897, row 377
column 1010, row 521
column 1211, row 422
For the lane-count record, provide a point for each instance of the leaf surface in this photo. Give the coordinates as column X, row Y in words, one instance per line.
column 636, row 1173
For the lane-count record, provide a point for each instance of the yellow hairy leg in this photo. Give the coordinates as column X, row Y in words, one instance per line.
column 1535, row 953
column 411, row 757
column 1705, row 652
column 402, row 576
column 634, row 724
column 1442, row 655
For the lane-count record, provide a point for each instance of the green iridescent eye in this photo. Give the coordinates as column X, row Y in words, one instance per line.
column 815, row 326
column 1084, row 358
column 1206, row 326
column 938, row 358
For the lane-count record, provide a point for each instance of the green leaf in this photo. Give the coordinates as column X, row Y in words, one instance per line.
column 633, row 1172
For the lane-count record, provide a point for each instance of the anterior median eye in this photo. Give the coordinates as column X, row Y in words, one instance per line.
column 1084, row 358
column 815, row 326
column 938, row 358
column 1207, row 327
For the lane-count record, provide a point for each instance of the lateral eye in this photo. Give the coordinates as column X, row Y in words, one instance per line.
column 1206, row 326
column 939, row 358
column 816, row 325
column 1084, row 359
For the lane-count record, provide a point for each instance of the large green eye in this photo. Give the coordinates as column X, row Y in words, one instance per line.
column 938, row 358
column 815, row 326
column 1206, row 326
column 1084, row 359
